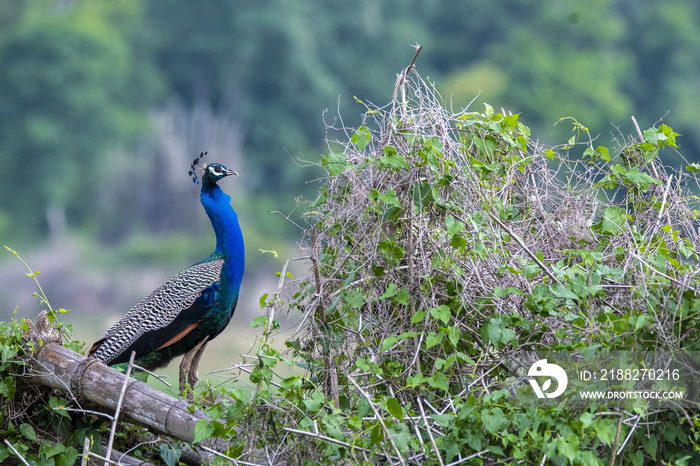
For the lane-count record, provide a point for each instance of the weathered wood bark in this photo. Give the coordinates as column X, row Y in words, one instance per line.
column 89, row 380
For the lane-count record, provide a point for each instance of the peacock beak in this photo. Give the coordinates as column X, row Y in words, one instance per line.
column 231, row 172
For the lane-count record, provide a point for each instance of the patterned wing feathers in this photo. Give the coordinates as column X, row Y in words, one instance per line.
column 158, row 309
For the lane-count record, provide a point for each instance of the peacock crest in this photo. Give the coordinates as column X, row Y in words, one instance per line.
column 197, row 168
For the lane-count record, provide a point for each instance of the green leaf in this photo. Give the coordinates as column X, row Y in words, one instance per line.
column 52, row 449
column 67, row 458
column 642, row 320
column 434, row 339
column 562, row 292
column 493, row 420
column 314, row 403
column 353, row 298
column 290, row 382
column 661, row 136
column 392, row 159
column 418, row 316
column 394, row 408
column 403, row 296
column 614, row 220
column 480, row 249
column 334, row 163
column 653, row 135
column 603, row 153
column 651, row 445
column 453, row 334
column 439, row 380
column 693, row 167
column 637, row 458
column 605, row 430
column 258, row 321
column 7, row 387
column 170, row 455
column 496, row 332
column 388, row 342
column 203, row 430
column 389, row 198
column 567, row 446
column 363, row 408
column 391, row 251
column 458, row 242
column 441, row 313
column 509, row 122
column 59, row 406
column 642, row 179
column 361, row 138
column 27, row 432
column 391, row 291
column 453, row 226
column 587, row 419
column 377, row 434
column 443, row 420
column 401, row 436
column 332, row 426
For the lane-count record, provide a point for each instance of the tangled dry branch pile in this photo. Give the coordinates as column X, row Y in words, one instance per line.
column 443, row 243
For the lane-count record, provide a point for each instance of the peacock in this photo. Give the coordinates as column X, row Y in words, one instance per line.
column 194, row 306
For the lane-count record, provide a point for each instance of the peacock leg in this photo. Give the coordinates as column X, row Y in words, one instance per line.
column 186, row 364
column 193, row 375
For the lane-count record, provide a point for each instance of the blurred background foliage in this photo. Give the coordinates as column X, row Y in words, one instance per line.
column 104, row 104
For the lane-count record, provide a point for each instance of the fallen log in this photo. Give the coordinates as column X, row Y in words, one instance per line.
column 89, row 381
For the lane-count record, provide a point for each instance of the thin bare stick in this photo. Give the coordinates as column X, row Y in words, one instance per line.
column 430, row 433
column 160, row 378
column 325, row 438
column 89, row 411
column 663, row 201
column 317, row 276
column 418, row 48
column 617, row 439
column 639, row 131
column 477, row 454
column 108, row 461
column 658, row 272
column 522, row 245
column 273, row 305
column 380, row 419
column 634, row 427
column 16, row 452
column 115, row 420
column 219, row 454
column 86, row 452
column 242, row 368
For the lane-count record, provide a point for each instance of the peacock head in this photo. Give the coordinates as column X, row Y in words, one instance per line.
column 213, row 172
column 210, row 173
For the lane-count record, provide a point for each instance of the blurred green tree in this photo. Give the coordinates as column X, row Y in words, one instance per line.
column 70, row 90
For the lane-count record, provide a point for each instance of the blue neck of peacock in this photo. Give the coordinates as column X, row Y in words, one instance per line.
column 229, row 240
